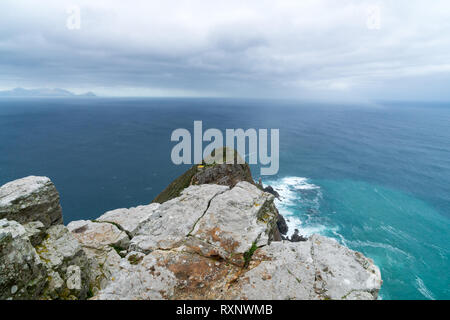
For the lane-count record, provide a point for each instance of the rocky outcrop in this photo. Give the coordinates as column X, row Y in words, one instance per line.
column 66, row 263
column 215, row 170
column 99, row 234
column 282, row 225
column 30, row 199
column 210, row 242
column 222, row 174
column 296, row 237
column 209, row 172
column 271, row 190
column 22, row 273
column 103, row 244
column 129, row 220
column 39, row 257
column 169, row 225
column 238, row 219
column 224, row 249
column 319, row 268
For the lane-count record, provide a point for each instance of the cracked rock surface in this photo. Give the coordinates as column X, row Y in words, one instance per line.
column 210, row 242
column 213, row 242
column 169, row 225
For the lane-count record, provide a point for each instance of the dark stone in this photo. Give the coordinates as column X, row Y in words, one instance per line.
column 277, row 236
column 296, row 237
column 223, row 174
column 271, row 190
column 282, row 225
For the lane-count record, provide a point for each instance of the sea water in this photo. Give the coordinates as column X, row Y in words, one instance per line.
column 376, row 177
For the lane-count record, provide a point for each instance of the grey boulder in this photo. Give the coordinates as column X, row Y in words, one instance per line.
column 31, row 199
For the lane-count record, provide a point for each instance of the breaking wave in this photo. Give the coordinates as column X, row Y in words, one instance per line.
column 299, row 204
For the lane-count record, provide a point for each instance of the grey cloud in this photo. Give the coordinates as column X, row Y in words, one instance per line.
column 234, row 48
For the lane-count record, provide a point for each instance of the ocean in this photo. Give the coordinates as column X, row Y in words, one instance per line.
column 376, row 177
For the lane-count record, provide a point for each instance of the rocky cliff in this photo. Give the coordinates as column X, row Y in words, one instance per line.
column 215, row 170
column 206, row 241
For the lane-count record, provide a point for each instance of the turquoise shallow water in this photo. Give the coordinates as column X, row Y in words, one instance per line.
column 405, row 236
column 375, row 177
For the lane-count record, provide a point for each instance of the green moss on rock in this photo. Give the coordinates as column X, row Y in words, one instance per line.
column 213, row 173
column 174, row 189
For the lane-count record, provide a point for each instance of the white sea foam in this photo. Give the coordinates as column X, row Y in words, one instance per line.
column 385, row 246
column 290, row 190
column 397, row 233
column 339, row 236
column 423, row 289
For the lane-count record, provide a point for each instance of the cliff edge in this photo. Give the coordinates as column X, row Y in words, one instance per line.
column 208, row 241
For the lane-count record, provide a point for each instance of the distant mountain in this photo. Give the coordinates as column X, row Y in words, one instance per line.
column 21, row 92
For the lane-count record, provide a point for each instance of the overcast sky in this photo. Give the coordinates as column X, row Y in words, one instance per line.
column 243, row 48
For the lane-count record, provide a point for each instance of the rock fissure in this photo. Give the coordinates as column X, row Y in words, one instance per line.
column 204, row 212
column 118, row 226
column 315, row 289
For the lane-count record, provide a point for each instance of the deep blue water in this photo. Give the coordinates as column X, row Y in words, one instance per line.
column 376, row 177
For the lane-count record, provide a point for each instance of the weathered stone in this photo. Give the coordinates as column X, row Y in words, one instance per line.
column 22, row 274
column 271, row 190
column 147, row 280
column 341, row 272
column 296, row 237
column 129, row 219
column 210, row 242
column 196, row 277
column 35, row 231
column 102, row 242
column 134, row 257
column 59, row 251
column 223, row 174
column 30, row 199
column 99, row 234
column 74, row 281
column 215, row 170
column 169, row 225
column 319, row 268
column 103, row 262
column 281, row 271
column 282, row 225
column 55, row 286
column 238, row 219
column 169, row 275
